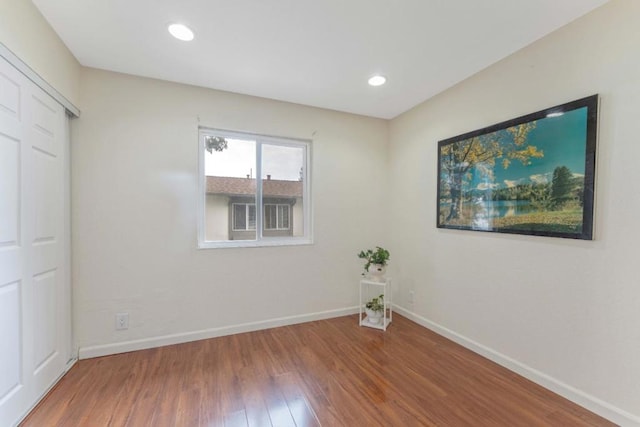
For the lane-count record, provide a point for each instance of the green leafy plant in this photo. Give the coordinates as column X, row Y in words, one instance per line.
column 377, row 256
column 376, row 304
column 215, row 143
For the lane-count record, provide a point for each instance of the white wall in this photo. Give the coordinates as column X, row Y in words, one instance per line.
column 28, row 35
column 135, row 189
column 569, row 309
column 216, row 220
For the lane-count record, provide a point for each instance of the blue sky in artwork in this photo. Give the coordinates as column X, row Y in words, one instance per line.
column 561, row 139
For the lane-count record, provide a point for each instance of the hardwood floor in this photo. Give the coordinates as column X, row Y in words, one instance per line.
column 329, row 373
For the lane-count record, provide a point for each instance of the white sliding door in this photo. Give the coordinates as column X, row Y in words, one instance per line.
column 35, row 327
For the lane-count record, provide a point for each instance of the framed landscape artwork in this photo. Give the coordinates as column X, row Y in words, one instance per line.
column 531, row 175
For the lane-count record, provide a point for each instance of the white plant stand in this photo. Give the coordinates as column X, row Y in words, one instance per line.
column 372, row 288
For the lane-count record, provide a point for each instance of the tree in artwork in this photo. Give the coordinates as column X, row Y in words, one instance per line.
column 482, row 152
column 562, row 186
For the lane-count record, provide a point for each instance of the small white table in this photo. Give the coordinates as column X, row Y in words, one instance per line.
column 370, row 288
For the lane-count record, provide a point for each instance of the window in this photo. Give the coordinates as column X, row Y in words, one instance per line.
column 244, row 216
column 276, row 217
column 254, row 190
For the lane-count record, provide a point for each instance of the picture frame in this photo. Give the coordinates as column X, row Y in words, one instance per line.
column 531, row 175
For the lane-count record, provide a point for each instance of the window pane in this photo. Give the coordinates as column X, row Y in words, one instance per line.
column 270, row 218
column 239, row 217
column 234, row 209
column 229, row 166
column 251, row 217
column 283, row 216
column 283, row 175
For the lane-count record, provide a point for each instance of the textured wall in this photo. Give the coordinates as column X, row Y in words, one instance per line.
column 568, row 309
column 27, row 34
column 134, row 192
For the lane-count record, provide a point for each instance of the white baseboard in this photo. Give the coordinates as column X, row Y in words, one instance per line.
column 145, row 343
column 581, row 398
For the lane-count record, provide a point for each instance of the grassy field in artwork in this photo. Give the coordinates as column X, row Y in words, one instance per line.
column 561, row 221
column 566, row 221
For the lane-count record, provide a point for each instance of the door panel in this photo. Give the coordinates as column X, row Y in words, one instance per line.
column 45, row 135
column 46, row 199
column 10, row 190
column 45, row 124
column 44, row 337
column 10, row 351
column 35, row 331
column 10, row 95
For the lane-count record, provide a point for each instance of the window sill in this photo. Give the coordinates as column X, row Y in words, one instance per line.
column 255, row 243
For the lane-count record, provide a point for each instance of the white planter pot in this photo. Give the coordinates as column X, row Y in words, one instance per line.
column 376, row 272
column 374, row 317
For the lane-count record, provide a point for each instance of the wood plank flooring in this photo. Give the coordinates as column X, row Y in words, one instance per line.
column 328, row 373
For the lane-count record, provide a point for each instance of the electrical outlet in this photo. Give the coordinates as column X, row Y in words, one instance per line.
column 411, row 295
column 122, row 321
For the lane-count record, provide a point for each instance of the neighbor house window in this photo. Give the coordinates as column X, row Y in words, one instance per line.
column 244, row 216
column 254, row 190
column 276, row 217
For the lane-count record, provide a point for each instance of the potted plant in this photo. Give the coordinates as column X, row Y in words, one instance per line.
column 376, row 261
column 375, row 309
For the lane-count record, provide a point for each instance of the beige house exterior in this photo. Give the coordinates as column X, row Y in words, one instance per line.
column 230, row 208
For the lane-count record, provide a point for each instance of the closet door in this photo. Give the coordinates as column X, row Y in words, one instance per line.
column 35, row 325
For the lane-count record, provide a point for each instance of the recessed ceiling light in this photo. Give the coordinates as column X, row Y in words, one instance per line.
column 377, row 80
column 181, row 32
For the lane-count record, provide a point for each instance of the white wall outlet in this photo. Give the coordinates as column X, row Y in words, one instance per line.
column 122, row 321
column 411, row 295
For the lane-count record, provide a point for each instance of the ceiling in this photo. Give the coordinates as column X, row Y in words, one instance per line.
column 311, row 52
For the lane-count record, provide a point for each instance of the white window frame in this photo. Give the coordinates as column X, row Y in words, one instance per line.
column 305, row 239
column 278, row 217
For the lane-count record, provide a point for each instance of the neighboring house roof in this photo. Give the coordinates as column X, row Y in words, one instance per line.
column 243, row 186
